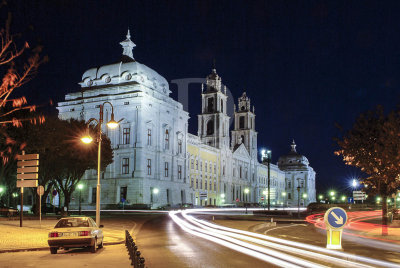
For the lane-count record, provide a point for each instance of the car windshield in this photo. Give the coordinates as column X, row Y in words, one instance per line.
column 74, row 222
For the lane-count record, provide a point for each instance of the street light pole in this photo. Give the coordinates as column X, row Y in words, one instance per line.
column 269, row 179
column 298, row 201
column 111, row 124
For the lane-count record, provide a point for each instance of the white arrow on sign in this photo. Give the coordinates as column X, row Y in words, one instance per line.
column 339, row 220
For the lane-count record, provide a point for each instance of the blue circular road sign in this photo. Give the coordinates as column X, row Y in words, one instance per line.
column 335, row 218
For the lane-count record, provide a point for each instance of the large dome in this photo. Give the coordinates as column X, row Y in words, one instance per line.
column 292, row 160
column 128, row 70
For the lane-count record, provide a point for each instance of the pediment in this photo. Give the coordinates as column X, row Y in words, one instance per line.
column 241, row 151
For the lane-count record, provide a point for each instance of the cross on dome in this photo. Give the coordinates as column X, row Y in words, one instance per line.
column 128, row 46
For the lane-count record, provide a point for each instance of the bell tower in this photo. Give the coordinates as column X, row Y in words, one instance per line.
column 244, row 130
column 213, row 121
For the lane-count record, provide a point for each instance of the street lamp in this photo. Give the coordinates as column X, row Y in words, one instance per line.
column 320, row 197
column 87, row 139
column 80, row 187
column 354, row 183
column 298, row 201
column 266, row 156
column 343, row 198
column 246, row 191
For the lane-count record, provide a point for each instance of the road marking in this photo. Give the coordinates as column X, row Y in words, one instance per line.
column 296, row 224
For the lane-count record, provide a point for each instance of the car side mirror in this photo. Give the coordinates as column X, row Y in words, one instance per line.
column 101, row 225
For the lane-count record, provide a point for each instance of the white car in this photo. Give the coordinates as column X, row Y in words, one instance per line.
column 74, row 232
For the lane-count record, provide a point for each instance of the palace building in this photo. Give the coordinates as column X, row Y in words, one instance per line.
column 157, row 162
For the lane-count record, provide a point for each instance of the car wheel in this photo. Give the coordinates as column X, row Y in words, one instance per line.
column 53, row 250
column 101, row 244
column 94, row 247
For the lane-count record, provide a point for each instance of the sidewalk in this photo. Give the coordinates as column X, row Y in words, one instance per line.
column 33, row 236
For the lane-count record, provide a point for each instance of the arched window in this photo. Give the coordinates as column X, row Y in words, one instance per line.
column 210, row 127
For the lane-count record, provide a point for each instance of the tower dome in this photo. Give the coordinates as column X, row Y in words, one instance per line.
column 293, row 160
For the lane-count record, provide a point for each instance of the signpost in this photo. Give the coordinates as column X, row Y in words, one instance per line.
column 359, row 195
column 27, row 176
column 40, row 192
column 335, row 219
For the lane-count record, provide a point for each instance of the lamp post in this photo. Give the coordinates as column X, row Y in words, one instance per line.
column 298, row 201
column 266, row 156
column 80, row 187
column 265, row 197
column 246, row 191
column 87, row 139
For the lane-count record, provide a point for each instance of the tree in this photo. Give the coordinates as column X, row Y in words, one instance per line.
column 63, row 157
column 373, row 145
column 17, row 67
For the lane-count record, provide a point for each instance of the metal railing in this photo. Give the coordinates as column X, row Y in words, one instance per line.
column 134, row 254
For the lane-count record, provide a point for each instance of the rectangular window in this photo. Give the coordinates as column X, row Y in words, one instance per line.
column 205, row 167
column 210, row 185
column 149, row 137
column 166, row 169
column 223, row 170
column 241, row 122
column 215, row 186
column 126, row 136
column 123, row 193
column 197, row 164
column 179, row 172
column 148, row 166
column 289, row 196
column 289, row 185
column 192, row 163
column 215, row 168
column 94, row 194
column 125, row 166
column 166, row 139
column 201, row 166
column 240, row 172
column 197, row 183
column 179, row 146
column 205, row 185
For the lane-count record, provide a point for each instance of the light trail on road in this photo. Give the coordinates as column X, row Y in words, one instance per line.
column 280, row 252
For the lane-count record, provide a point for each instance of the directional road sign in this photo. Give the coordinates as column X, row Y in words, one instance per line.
column 27, row 183
column 336, row 218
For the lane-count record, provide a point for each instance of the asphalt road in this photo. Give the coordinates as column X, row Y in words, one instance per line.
column 163, row 244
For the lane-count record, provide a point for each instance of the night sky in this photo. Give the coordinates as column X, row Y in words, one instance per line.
column 305, row 64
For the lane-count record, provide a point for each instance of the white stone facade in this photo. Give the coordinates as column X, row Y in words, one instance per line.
column 156, row 160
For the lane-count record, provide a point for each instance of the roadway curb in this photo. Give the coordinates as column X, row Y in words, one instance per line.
column 47, row 248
